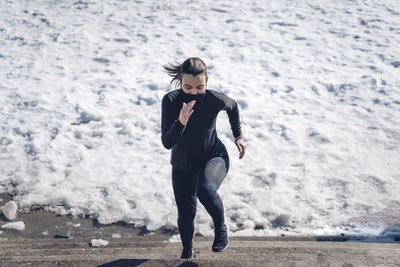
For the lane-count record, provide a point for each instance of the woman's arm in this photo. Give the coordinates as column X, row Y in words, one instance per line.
column 171, row 128
column 231, row 108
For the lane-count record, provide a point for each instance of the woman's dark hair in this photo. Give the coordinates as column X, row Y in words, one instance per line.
column 192, row 65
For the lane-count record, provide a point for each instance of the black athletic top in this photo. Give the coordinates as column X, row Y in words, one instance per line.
column 196, row 142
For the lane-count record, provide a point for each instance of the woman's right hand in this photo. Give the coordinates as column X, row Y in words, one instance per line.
column 186, row 111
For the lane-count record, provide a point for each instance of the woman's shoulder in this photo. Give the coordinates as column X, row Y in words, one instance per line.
column 172, row 95
column 217, row 98
column 217, row 94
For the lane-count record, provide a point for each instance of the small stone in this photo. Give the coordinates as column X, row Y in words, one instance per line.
column 61, row 236
column 116, row 235
column 9, row 210
column 20, row 225
column 98, row 242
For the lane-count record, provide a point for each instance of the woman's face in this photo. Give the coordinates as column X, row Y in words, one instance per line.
column 194, row 84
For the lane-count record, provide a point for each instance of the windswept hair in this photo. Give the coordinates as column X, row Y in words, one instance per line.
column 192, row 65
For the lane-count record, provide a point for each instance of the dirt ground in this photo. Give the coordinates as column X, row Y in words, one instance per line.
column 55, row 240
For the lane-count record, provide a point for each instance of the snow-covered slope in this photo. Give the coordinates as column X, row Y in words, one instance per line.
column 317, row 83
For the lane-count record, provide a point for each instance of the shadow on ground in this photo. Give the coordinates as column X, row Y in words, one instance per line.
column 149, row 262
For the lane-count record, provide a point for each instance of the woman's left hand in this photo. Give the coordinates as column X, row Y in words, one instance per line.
column 241, row 145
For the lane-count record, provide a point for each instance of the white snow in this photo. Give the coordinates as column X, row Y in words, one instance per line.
column 175, row 238
column 116, row 235
column 19, row 226
column 76, row 225
column 9, row 210
column 317, row 83
column 99, row 242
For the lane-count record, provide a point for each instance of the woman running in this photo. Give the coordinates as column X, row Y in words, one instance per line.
column 199, row 159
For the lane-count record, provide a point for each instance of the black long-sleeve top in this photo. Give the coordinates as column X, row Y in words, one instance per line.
column 197, row 141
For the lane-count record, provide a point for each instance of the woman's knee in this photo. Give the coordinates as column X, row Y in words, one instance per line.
column 187, row 215
column 187, row 207
column 207, row 191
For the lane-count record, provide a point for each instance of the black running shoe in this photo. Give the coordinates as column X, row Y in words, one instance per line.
column 221, row 238
column 188, row 253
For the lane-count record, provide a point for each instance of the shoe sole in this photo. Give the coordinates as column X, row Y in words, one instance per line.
column 223, row 248
column 226, row 243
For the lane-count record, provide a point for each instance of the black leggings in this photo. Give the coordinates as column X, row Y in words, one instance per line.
column 203, row 184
